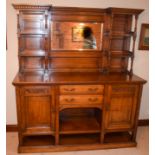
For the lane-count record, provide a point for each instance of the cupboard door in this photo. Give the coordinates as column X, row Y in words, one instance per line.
column 120, row 107
column 38, row 108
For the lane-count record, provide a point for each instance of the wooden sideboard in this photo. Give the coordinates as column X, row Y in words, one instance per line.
column 76, row 99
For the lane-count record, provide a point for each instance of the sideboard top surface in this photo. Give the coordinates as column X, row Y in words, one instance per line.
column 75, row 78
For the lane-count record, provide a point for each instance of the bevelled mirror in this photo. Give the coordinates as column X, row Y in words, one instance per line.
column 76, row 35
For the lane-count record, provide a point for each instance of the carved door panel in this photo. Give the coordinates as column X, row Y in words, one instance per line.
column 32, row 22
column 37, row 109
column 120, row 107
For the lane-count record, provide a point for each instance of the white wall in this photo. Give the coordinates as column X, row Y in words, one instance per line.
column 141, row 65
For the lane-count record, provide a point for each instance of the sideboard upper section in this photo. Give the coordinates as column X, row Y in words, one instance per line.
column 51, row 39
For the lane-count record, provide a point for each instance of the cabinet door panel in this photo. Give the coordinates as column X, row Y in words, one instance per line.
column 121, row 107
column 38, row 109
column 32, row 63
column 33, row 21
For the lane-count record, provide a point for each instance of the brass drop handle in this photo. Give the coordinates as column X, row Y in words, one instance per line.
column 93, row 99
column 69, row 99
column 71, row 89
column 92, row 89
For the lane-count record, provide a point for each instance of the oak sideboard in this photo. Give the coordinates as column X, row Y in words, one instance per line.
column 70, row 98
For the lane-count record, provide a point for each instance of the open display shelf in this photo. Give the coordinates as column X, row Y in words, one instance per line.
column 80, row 139
column 121, row 54
column 117, row 137
column 78, row 125
column 33, row 32
column 32, row 53
column 122, row 34
column 39, row 140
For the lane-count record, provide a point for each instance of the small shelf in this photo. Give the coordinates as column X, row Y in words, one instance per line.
column 117, row 137
column 122, row 34
column 121, row 53
column 39, row 140
column 37, row 133
column 33, row 32
column 32, row 53
column 119, row 34
column 79, row 125
column 80, row 139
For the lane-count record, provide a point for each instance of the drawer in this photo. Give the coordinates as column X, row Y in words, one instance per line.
column 80, row 99
column 123, row 89
column 81, row 89
column 37, row 91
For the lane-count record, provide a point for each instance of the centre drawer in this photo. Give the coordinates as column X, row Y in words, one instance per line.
column 80, row 99
column 81, row 89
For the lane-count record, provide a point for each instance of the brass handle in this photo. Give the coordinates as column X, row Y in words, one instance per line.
column 71, row 89
column 92, row 89
column 93, row 99
column 69, row 99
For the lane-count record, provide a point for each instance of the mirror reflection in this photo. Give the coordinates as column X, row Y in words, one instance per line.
column 76, row 36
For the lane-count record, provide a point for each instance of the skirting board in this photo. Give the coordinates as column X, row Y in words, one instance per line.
column 14, row 127
column 143, row 122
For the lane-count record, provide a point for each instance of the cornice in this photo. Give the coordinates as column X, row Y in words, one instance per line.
column 31, row 7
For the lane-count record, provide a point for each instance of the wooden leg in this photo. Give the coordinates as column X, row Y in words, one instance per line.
column 20, row 137
column 134, row 133
column 137, row 114
column 57, row 129
column 102, row 129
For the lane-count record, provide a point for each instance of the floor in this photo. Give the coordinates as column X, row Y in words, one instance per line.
column 141, row 149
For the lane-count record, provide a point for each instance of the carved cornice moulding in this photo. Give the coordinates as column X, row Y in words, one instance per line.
column 76, row 9
column 31, row 7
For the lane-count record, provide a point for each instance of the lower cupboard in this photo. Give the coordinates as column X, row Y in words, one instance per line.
column 77, row 117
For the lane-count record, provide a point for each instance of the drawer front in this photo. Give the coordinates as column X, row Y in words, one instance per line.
column 81, row 89
column 123, row 89
column 80, row 99
column 37, row 91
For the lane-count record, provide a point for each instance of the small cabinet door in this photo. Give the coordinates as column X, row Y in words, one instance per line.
column 120, row 107
column 37, row 109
